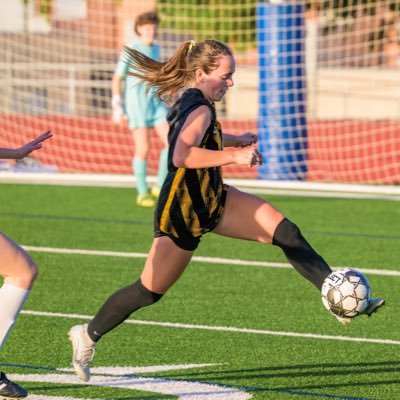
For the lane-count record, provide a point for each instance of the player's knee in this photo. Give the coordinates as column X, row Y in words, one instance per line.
column 22, row 270
column 27, row 275
column 32, row 273
column 27, row 270
column 287, row 235
column 147, row 296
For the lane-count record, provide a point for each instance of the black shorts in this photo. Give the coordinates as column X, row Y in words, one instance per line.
column 188, row 242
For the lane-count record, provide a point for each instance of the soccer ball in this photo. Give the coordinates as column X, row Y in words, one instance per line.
column 346, row 292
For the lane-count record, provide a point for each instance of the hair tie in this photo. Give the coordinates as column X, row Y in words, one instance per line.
column 192, row 44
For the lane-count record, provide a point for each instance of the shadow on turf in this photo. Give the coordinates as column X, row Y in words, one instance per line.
column 327, row 371
column 221, row 377
column 42, row 390
column 275, row 370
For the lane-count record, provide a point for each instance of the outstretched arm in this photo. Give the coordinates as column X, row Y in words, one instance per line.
column 26, row 149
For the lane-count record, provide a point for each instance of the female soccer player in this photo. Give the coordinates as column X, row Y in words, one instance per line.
column 19, row 272
column 143, row 109
column 194, row 200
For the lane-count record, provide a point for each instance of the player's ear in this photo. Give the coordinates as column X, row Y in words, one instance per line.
column 200, row 75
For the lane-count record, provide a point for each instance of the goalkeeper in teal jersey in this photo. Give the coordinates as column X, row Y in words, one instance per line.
column 142, row 109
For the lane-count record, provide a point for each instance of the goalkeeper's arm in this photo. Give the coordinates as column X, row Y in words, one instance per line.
column 118, row 113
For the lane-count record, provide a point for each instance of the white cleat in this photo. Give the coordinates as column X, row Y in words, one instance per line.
column 373, row 306
column 344, row 320
column 83, row 351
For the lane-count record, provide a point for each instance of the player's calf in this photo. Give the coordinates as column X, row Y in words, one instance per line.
column 300, row 253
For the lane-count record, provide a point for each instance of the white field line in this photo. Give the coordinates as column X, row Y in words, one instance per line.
column 182, row 390
column 207, row 260
column 222, row 328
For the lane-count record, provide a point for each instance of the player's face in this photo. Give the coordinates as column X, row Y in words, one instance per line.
column 218, row 81
column 148, row 33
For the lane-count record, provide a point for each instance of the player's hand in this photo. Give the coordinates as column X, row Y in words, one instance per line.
column 246, row 139
column 33, row 145
column 249, row 156
column 118, row 115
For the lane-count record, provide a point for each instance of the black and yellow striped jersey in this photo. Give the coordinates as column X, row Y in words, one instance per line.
column 191, row 200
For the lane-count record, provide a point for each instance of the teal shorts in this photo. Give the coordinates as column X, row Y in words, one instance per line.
column 144, row 109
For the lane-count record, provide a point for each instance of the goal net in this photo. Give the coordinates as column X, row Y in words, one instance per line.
column 319, row 81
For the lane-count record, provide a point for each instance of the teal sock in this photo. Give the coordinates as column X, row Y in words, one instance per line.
column 140, row 171
column 162, row 167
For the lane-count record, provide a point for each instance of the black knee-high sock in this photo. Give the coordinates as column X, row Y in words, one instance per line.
column 119, row 306
column 300, row 254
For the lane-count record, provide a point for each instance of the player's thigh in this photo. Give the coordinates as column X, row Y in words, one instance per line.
column 141, row 139
column 249, row 217
column 162, row 131
column 164, row 265
column 16, row 265
column 159, row 119
column 136, row 103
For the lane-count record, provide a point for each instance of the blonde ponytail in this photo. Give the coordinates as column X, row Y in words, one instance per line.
column 170, row 77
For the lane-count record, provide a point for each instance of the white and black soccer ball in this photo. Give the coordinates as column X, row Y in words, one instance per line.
column 346, row 292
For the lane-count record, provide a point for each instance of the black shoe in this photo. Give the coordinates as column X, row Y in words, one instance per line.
column 10, row 390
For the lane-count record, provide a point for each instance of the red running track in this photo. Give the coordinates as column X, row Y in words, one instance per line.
column 338, row 151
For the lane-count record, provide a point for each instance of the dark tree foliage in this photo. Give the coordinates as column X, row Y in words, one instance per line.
column 216, row 18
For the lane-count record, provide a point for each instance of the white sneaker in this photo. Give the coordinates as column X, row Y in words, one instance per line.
column 83, row 351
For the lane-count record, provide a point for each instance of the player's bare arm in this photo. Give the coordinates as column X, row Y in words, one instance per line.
column 246, row 139
column 116, row 85
column 188, row 154
column 26, row 149
column 117, row 113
